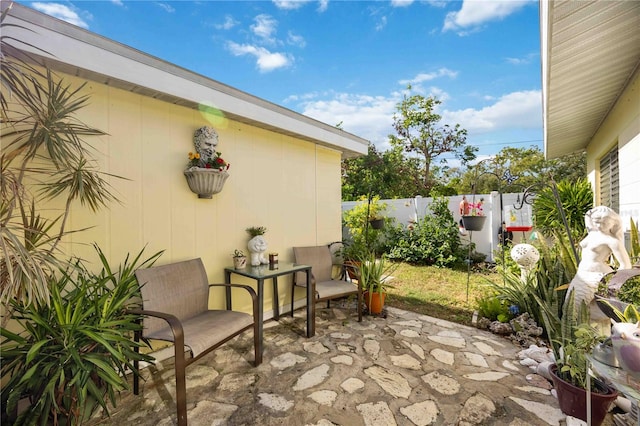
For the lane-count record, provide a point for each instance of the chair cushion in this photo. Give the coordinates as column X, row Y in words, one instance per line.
column 335, row 288
column 206, row 329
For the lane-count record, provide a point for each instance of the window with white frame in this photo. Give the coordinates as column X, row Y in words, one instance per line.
column 609, row 180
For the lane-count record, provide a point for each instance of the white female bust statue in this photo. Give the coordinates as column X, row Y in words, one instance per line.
column 205, row 140
column 605, row 238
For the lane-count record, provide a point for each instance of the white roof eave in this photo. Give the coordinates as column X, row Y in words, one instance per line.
column 78, row 52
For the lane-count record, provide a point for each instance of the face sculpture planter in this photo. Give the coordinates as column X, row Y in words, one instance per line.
column 206, row 171
column 257, row 247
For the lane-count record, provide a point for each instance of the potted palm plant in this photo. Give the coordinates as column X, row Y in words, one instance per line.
column 239, row 259
column 572, row 340
column 374, row 276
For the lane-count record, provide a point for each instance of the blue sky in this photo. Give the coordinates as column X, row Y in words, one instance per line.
column 349, row 62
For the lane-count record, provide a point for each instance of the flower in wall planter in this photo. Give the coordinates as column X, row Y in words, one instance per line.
column 206, row 170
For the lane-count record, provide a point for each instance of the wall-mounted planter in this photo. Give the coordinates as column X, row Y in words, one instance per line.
column 205, row 182
column 473, row 223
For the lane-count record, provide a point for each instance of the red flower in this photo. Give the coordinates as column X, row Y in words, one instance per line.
column 219, row 160
column 208, row 166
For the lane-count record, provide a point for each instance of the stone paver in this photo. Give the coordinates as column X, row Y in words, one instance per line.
column 405, row 369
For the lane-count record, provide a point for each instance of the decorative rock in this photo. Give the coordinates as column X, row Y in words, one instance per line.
column 286, row 360
column 421, row 414
column 483, row 323
column 311, row 378
column 490, row 376
column 476, row 360
column 417, row 349
column 476, row 410
column 352, row 384
column 232, row 382
column 315, row 347
column 342, row 359
column 549, row 414
column 456, row 342
column 391, row 382
column 441, row 383
column 534, row 389
column 443, row 356
column 377, row 414
column 486, row 349
column 406, row 361
column 340, row 335
column 213, row 413
column 324, row 397
column 275, row 402
column 501, row 328
column 409, row 333
column 544, row 369
column 372, row 347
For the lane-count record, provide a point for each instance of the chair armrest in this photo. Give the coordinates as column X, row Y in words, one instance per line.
column 252, row 293
column 174, row 324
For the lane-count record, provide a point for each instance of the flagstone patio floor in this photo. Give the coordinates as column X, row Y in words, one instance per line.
column 405, row 369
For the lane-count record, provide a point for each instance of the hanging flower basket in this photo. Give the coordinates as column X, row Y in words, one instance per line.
column 205, row 182
column 473, row 223
column 376, row 223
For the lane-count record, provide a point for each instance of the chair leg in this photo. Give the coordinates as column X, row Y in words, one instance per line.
column 360, row 306
column 181, row 385
column 136, row 364
column 293, row 292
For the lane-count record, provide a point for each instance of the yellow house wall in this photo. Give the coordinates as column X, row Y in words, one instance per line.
column 290, row 186
column 621, row 128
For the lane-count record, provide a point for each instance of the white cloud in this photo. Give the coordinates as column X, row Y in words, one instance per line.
column 264, row 27
column 522, row 61
column 381, row 23
column 401, row 3
column 323, row 5
column 422, row 77
column 517, row 110
column 62, row 12
column 166, row 6
column 117, row 2
column 265, row 60
column 371, row 117
column 228, row 23
column 295, row 39
column 289, row 4
column 474, row 13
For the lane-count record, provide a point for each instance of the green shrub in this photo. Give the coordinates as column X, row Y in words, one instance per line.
column 494, row 308
column 434, row 239
column 73, row 354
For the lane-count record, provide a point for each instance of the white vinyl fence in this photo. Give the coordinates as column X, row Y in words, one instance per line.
column 410, row 209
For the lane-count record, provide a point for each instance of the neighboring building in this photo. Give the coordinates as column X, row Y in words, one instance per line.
column 591, row 94
column 285, row 167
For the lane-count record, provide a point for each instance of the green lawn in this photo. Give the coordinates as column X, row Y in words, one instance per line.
column 438, row 292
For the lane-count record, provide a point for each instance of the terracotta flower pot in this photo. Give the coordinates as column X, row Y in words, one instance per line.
column 374, row 301
column 572, row 399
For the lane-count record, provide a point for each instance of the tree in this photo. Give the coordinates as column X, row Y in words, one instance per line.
column 419, row 133
column 43, row 156
column 528, row 164
column 386, row 174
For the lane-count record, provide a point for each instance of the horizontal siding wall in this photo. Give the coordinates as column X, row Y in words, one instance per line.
column 290, row 186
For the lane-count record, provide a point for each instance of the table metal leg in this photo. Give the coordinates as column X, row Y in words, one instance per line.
column 276, row 303
column 227, row 280
column 261, row 311
column 311, row 305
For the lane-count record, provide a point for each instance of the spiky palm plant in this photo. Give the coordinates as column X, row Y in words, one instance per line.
column 44, row 156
